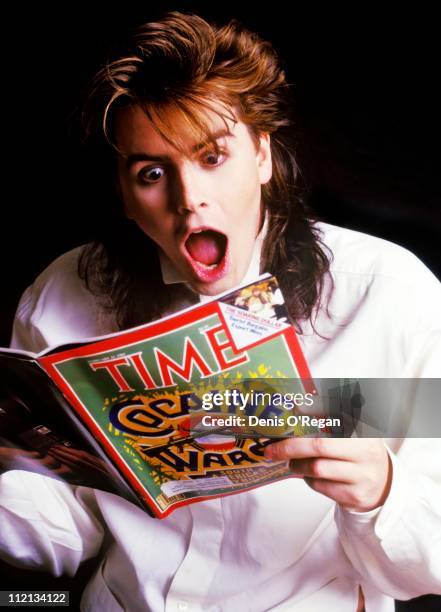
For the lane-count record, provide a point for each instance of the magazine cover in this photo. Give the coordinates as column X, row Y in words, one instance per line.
column 171, row 412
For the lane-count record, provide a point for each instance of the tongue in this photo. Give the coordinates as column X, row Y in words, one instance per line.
column 206, row 247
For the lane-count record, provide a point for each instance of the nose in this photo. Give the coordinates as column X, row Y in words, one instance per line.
column 190, row 193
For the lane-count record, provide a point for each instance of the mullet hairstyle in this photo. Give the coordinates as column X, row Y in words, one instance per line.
column 187, row 67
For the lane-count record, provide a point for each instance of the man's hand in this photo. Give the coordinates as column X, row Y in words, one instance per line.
column 354, row 472
column 77, row 459
column 29, row 461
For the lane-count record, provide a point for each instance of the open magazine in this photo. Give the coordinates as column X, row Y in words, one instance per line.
column 164, row 414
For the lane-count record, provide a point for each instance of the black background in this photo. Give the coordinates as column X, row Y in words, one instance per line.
column 368, row 131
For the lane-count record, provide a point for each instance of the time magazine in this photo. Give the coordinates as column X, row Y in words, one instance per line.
column 165, row 414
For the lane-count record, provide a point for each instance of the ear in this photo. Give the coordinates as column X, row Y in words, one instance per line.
column 264, row 160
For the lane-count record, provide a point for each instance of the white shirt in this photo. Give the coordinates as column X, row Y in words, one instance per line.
column 281, row 547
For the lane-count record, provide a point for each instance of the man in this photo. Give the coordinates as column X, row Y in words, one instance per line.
column 193, row 124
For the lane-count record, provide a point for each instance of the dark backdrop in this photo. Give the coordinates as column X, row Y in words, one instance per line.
column 368, row 121
column 368, row 125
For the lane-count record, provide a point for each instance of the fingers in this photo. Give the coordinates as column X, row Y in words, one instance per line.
column 77, row 458
column 301, row 448
column 49, row 462
column 31, row 459
column 64, row 460
column 356, row 473
column 35, row 462
column 63, row 470
column 29, row 454
column 324, row 469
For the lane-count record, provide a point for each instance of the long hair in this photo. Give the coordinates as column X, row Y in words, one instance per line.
column 185, row 65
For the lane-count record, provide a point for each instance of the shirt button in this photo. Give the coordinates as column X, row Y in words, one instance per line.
column 182, row 605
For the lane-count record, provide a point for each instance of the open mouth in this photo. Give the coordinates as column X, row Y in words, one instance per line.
column 207, row 247
column 207, row 251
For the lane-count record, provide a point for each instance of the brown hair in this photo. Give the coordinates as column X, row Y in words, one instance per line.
column 183, row 63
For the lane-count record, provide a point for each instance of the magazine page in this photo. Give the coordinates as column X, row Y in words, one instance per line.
column 40, row 433
column 157, row 398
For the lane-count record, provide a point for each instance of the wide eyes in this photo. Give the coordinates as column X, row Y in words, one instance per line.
column 153, row 174
column 212, row 158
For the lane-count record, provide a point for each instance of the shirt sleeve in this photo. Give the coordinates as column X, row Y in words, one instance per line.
column 397, row 548
column 58, row 309
column 25, row 335
column 46, row 524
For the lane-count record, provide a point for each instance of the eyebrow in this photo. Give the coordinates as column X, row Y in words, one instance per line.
column 133, row 158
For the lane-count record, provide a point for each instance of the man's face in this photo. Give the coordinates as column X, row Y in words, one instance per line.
column 203, row 209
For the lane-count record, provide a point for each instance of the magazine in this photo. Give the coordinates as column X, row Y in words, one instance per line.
column 164, row 414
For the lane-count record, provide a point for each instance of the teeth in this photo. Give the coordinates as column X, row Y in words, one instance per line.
column 210, row 267
column 198, row 232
